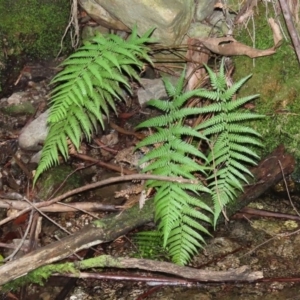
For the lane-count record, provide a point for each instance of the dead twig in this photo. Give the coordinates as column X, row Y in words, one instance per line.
column 290, row 26
column 59, row 207
column 95, row 185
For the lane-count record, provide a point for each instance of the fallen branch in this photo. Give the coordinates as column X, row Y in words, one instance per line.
column 59, row 207
column 93, row 186
column 100, row 231
column 107, row 261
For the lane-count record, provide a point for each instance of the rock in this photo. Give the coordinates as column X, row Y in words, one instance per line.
column 16, row 98
column 102, row 16
column 199, row 30
column 152, row 89
column 217, row 20
column 35, row 159
column 170, row 18
column 33, row 135
column 204, row 9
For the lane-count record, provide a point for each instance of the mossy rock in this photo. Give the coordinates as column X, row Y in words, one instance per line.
column 276, row 78
column 58, row 177
column 25, row 108
column 33, row 27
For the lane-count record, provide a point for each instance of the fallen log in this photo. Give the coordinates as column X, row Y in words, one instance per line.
column 268, row 172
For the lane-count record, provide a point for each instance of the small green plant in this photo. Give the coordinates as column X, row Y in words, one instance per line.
column 149, row 245
column 179, row 208
column 87, row 87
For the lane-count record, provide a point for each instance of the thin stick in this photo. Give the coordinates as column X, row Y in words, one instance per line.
column 98, row 184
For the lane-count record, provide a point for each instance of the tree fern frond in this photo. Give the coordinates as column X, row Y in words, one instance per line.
column 162, row 162
column 93, row 76
column 155, row 153
column 238, row 128
column 220, row 118
column 238, row 166
column 131, row 73
column 217, row 82
column 169, row 87
column 216, row 129
column 243, row 149
column 185, row 112
column 234, row 180
column 227, row 138
column 237, row 174
column 157, row 137
column 220, row 200
column 156, row 122
column 230, row 92
column 182, row 146
column 232, row 105
column 241, row 157
column 177, row 170
column 191, row 214
column 179, row 130
column 182, row 245
column 179, row 89
column 243, row 139
column 238, row 117
column 211, row 95
column 144, row 39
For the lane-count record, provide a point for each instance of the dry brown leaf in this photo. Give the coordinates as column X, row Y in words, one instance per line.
column 195, row 70
column 228, row 46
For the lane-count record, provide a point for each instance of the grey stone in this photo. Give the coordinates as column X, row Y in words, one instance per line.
column 35, row 133
column 102, row 16
column 16, row 98
column 170, row 18
column 153, row 89
column 204, row 9
column 199, row 30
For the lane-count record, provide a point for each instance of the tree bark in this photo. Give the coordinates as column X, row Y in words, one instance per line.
column 267, row 173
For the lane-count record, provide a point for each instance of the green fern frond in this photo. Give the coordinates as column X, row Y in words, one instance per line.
column 89, row 83
column 211, row 95
column 169, row 87
column 245, row 150
column 238, row 117
column 238, row 128
column 178, row 207
column 156, row 122
column 244, row 140
column 161, row 105
column 231, row 91
column 218, row 83
column 174, row 157
column 240, row 102
column 149, row 244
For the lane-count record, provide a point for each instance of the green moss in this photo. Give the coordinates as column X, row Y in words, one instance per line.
column 276, row 79
column 57, row 177
column 33, row 27
column 25, row 108
column 40, row 275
